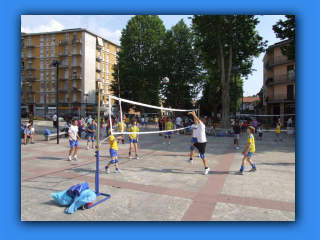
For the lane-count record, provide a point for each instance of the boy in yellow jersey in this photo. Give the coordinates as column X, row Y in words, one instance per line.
column 278, row 132
column 113, row 151
column 248, row 151
column 134, row 138
column 168, row 127
column 156, row 121
column 121, row 128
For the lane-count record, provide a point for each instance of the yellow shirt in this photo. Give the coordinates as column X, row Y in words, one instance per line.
column 133, row 129
column 278, row 129
column 123, row 126
column 156, row 119
column 169, row 125
column 127, row 120
column 251, row 140
column 113, row 145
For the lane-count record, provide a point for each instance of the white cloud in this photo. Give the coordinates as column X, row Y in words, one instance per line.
column 112, row 36
column 52, row 26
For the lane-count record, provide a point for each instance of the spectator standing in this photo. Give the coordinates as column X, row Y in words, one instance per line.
column 178, row 123
column 54, row 118
column 89, row 120
column 28, row 134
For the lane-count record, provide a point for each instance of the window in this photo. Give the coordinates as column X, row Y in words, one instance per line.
column 41, row 87
column 52, row 98
column 66, row 74
column 108, row 46
column 74, row 35
column 29, row 52
column 115, row 48
column 52, row 86
column 29, row 64
column 41, row 52
column 74, row 49
column 98, row 75
column 74, row 61
column 108, row 57
column 53, row 39
column 107, row 67
column 66, row 61
column 53, row 75
column 47, row 86
column 41, row 41
column 66, row 85
column 41, row 98
column 29, row 41
column 67, row 50
column 41, row 75
column 47, row 62
column 67, row 37
column 22, row 53
column 47, row 75
column 47, row 40
column 41, row 63
column 22, row 77
column 47, row 51
column 52, row 52
column 74, row 97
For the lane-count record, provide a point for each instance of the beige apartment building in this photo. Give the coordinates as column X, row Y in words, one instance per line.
column 277, row 96
column 88, row 58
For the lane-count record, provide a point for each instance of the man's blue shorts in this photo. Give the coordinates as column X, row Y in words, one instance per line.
column 133, row 141
column 73, row 143
column 91, row 135
column 194, row 140
column 178, row 126
column 113, row 153
column 142, row 123
column 169, row 133
column 249, row 154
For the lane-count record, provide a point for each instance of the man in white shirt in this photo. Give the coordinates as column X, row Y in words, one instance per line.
column 54, row 118
column 202, row 139
column 193, row 141
column 178, row 123
column 73, row 139
column 89, row 120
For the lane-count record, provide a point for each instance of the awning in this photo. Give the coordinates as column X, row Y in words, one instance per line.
column 89, row 107
column 100, row 41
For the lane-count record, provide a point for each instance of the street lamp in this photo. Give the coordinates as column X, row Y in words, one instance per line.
column 57, row 64
column 86, row 95
column 235, row 69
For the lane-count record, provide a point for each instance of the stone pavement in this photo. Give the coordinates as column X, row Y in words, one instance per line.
column 161, row 186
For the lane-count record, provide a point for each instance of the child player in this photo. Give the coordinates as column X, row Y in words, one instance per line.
column 169, row 132
column 237, row 133
column 91, row 133
column 248, row 151
column 278, row 132
column 134, row 138
column 260, row 132
column 121, row 127
column 202, row 139
column 193, row 140
column 113, row 151
column 155, row 121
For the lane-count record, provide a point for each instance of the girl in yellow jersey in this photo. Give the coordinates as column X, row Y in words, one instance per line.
column 113, row 151
column 168, row 127
column 248, row 151
column 134, row 138
column 278, row 132
column 122, row 127
column 156, row 121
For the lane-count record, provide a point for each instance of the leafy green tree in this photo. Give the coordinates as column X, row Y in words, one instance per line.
column 180, row 63
column 140, row 75
column 286, row 30
column 226, row 41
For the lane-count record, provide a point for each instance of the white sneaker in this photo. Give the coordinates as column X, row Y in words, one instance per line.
column 137, row 157
column 118, row 171
column 206, row 171
column 107, row 169
column 94, row 147
column 75, row 157
column 177, row 133
column 130, row 157
column 69, row 158
column 164, row 143
column 87, row 147
column 168, row 143
column 237, row 147
column 189, row 161
column 198, row 154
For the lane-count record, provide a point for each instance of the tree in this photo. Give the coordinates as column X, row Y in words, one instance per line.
column 180, row 63
column 227, row 41
column 139, row 74
column 286, row 30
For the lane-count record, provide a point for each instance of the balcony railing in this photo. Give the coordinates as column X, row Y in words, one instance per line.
column 63, row 54
column 99, row 46
column 98, row 69
column 276, row 61
column 77, row 65
column 29, row 45
column 31, row 56
column 30, row 90
column 278, row 79
column 30, row 68
column 75, row 89
column 99, row 58
column 31, row 101
column 76, row 76
column 76, row 40
column 63, row 42
column 77, row 53
column 63, row 78
column 64, row 89
column 280, row 98
column 30, row 78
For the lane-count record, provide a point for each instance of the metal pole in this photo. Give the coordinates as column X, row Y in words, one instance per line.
column 45, row 109
column 98, row 127
column 235, row 95
column 57, row 102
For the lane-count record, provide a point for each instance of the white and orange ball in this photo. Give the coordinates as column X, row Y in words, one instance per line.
column 165, row 80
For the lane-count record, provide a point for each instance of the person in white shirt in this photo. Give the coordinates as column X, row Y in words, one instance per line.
column 28, row 134
column 202, row 139
column 193, row 140
column 73, row 139
column 89, row 120
column 142, row 121
column 178, row 123
column 54, row 118
column 146, row 122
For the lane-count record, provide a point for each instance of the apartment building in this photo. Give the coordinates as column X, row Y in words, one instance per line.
column 277, row 96
column 87, row 58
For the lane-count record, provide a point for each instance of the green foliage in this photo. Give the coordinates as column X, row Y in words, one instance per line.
column 285, row 30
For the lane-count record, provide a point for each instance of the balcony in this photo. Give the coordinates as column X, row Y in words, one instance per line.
column 31, row 101
column 76, row 40
column 278, row 79
column 98, row 69
column 99, row 46
column 276, row 98
column 77, row 53
column 63, row 78
column 63, row 54
column 63, row 42
column 77, row 65
column 277, row 61
column 30, row 56
column 75, row 89
column 30, row 68
column 30, row 90
column 64, row 89
column 30, row 78
column 30, row 45
column 99, row 58
column 76, row 76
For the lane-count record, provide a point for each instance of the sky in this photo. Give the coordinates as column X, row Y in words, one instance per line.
column 110, row 27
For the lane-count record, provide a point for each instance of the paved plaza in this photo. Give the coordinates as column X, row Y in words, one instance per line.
column 161, row 185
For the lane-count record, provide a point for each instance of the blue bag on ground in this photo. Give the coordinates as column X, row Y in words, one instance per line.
column 82, row 187
column 62, row 198
column 47, row 132
column 87, row 196
column 70, row 191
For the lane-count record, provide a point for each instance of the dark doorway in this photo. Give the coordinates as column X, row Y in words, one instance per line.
column 289, row 92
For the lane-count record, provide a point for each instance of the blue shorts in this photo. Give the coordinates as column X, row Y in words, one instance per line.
column 178, row 126
column 127, row 124
column 249, row 154
column 113, row 153
column 132, row 141
column 142, row 123
column 91, row 135
column 194, row 140
column 169, row 133
column 277, row 134
column 74, row 143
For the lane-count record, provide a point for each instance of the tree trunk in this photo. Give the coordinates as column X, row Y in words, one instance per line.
column 225, row 105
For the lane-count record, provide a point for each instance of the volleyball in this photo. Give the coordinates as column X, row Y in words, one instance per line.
column 165, row 80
